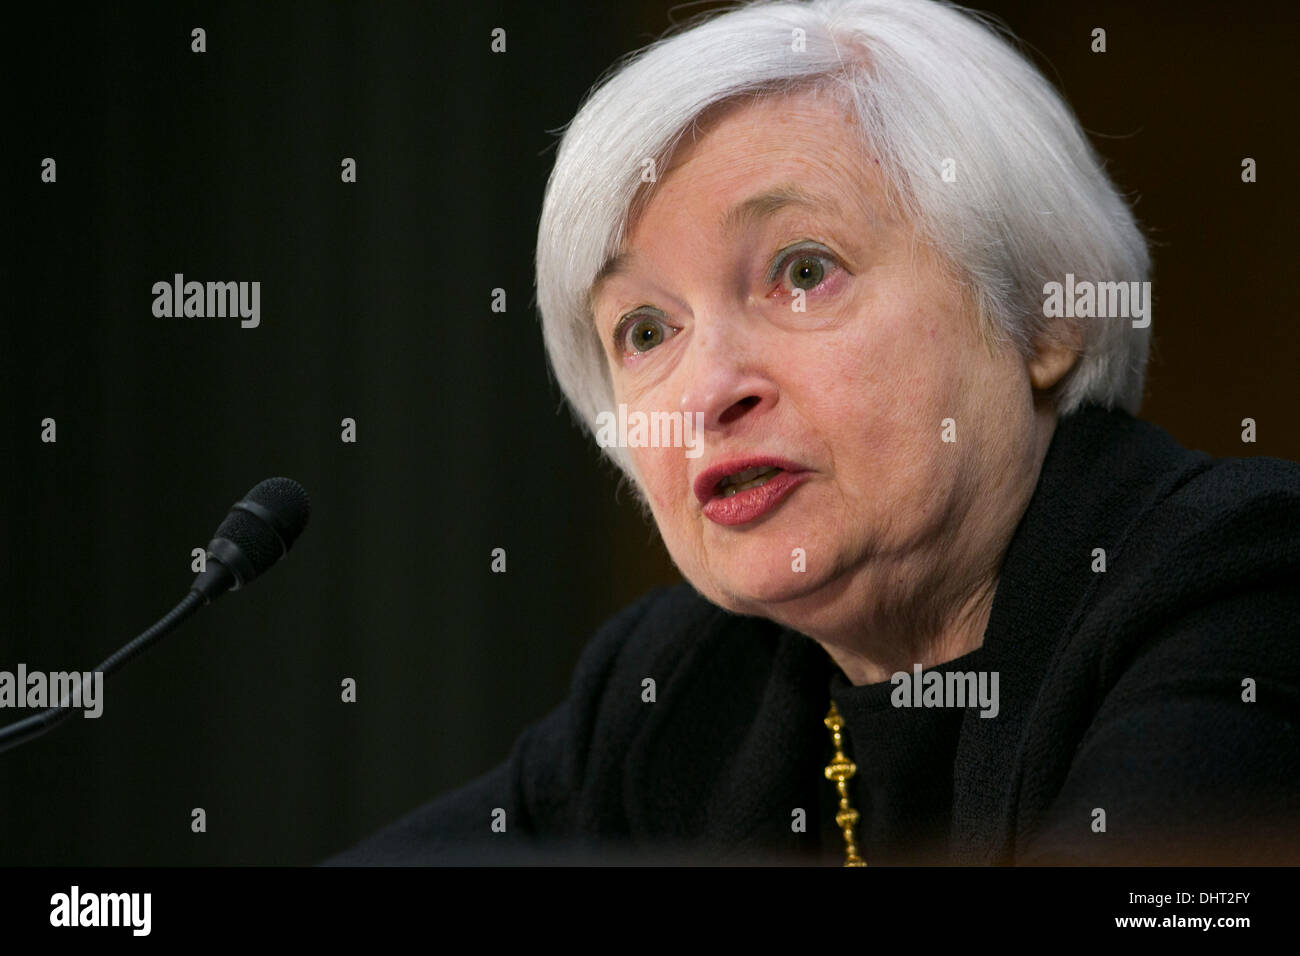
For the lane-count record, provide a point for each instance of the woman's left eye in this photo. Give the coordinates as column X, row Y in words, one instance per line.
column 804, row 269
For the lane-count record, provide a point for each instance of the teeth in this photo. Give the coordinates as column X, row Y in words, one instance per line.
column 749, row 478
column 749, row 474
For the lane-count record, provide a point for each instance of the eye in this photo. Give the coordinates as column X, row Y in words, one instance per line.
column 807, row 272
column 641, row 332
column 805, row 268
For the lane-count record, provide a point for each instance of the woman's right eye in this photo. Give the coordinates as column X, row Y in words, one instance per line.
column 640, row 332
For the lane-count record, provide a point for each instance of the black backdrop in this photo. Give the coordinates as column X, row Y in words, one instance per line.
column 375, row 305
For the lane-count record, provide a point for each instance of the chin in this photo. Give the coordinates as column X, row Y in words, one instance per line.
column 760, row 590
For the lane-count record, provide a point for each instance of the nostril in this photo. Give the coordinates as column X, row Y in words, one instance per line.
column 738, row 409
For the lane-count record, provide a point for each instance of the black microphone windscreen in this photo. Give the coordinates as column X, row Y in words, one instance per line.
column 261, row 528
column 255, row 539
column 288, row 501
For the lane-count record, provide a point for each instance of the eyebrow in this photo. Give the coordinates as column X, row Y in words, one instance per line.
column 755, row 208
column 769, row 203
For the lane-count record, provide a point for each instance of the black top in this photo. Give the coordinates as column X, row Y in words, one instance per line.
column 905, row 757
column 1147, row 713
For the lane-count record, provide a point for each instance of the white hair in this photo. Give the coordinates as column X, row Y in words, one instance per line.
column 928, row 82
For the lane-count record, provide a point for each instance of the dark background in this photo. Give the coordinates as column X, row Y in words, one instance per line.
column 376, row 305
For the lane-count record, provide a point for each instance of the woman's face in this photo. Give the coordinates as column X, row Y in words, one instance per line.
column 766, row 285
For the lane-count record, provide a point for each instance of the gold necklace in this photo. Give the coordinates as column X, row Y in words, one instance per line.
column 841, row 769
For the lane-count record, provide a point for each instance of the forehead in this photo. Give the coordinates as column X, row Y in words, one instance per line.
column 740, row 146
column 747, row 160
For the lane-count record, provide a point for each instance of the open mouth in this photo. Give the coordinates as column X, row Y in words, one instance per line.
column 744, row 480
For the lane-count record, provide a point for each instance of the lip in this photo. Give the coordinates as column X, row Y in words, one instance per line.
column 746, row 506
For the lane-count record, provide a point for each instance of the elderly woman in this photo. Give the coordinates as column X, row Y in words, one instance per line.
column 947, row 600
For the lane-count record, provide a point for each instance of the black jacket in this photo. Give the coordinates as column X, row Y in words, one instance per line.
column 1127, row 691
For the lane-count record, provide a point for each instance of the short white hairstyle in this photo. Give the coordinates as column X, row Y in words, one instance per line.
column 928, row 82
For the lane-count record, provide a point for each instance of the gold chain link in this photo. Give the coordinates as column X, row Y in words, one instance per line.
column 841, row 770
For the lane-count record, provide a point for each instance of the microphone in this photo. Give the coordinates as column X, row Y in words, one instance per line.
column 259, row 530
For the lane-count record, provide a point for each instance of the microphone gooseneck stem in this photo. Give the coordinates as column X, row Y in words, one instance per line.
column 49, row 718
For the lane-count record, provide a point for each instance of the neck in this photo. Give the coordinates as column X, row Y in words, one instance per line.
column 941, row 606
column 894, row 650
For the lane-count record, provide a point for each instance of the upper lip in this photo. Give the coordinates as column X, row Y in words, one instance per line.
column 707, row 482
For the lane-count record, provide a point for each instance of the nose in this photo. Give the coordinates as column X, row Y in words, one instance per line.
column 726, row 377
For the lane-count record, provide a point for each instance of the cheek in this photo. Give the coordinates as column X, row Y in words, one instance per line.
column 905, row 360
column 664, row 475
column 890, row 381
column 663, row 470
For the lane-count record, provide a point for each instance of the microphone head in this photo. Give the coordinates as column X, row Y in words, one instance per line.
column 260, row 529
column 288, row 501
